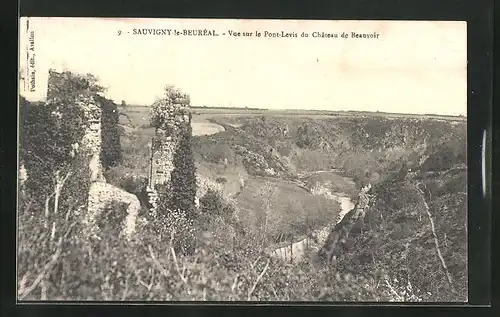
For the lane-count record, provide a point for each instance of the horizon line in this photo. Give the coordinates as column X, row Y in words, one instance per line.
column 307, row 110
column 269, row 109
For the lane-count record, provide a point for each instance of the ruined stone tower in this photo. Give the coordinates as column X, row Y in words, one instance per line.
column 163, row 146
column 70, row 92
column 91, row 142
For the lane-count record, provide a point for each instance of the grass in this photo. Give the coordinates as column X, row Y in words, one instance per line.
column 230, row 178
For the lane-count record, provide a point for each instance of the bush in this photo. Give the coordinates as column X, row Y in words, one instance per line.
column 111, row 154
column 215, row 152
column 112, row 218
column 120, row 176
column 213, row 203
column 175, row 223
column 221, row 180
column 183, row 176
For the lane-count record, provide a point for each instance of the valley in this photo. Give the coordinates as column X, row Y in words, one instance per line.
column 293, row 177
column 325, row 206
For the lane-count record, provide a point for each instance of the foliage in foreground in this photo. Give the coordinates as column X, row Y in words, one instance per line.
column 183, row 176
column 149, row 268
column 111, row 153
column 416, row 229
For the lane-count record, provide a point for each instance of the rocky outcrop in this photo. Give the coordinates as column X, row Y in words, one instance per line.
column 257, row 164
column 340, row 233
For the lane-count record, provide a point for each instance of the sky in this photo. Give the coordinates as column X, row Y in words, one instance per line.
column 412, row 67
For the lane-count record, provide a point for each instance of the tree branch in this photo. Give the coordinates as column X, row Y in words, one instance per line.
column 258, row 279
column 399, row 298
column 162, row 269
column 22, row 283
column 147, row 286
column 48, row 266
column 436, row 242
column 125, row 291
column 183, row 278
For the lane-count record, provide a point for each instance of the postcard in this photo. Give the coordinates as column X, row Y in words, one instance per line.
column 173, row 160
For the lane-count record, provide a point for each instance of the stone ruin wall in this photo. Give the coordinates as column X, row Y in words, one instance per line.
column 163, row 147
column 162, row 162
column 92, row 141
column 100, row 193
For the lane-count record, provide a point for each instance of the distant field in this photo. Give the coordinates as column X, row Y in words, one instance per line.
column 140, row 112
column 134, row 117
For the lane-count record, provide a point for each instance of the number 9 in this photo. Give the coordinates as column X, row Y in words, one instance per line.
column 119, row 32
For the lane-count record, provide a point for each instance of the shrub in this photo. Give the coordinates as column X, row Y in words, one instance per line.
column 123, row 178
column 112, row 218
column 213, row 203
column 183, row 176
column 221, row 180
column 111, row 153
column 214, row 151
column 175, row 223
column 166, row 110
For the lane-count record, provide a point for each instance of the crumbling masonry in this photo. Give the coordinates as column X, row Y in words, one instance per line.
column 101, row 194
column 93, row 113
column 163, row 146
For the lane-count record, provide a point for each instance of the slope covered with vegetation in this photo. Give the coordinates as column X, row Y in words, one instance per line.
column 413, row 237
column 365, row 148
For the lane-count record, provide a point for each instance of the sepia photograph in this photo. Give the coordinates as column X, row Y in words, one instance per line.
column 227, row 160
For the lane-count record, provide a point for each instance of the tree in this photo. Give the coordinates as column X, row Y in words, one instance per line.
column 212, row 203
column 268, row 194
column 68, row 86
column 166, row 111
column 303, row 138
column 183, row 176
column 111, row 151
